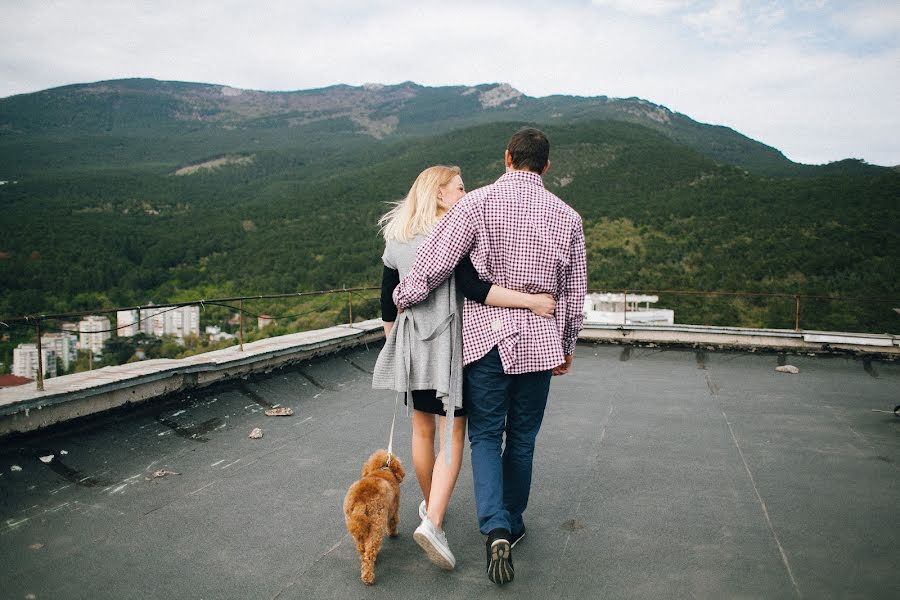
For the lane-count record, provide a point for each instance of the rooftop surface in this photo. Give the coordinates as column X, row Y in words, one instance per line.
column 658, row 474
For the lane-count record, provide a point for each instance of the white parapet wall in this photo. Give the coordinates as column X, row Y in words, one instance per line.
column 879, row 345
column 24, row 408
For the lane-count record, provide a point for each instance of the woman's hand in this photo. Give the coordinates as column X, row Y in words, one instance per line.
column 543, row 305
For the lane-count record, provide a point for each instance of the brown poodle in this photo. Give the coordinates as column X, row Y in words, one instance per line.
column 372, row 507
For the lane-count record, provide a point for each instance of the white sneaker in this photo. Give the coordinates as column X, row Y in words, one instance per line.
column 433, row 541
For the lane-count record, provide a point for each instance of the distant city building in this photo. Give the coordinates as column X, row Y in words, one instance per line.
column 158, row 321
column 619, row 309
column 25, row 361
column 65, row 344
column 70, row 327
column 153, row 321
column 93, row 331
column 263, row 321
column 127, row 324
column 180, row 322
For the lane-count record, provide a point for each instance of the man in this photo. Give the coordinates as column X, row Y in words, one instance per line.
column 519, row 236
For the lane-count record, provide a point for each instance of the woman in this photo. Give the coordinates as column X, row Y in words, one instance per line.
column 423, row 352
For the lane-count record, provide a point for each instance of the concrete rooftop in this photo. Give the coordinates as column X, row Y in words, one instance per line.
column 659, row 474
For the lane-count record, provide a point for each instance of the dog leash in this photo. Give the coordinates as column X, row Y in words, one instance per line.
column 391, row 437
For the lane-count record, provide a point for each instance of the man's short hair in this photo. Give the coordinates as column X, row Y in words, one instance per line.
column 529, row 149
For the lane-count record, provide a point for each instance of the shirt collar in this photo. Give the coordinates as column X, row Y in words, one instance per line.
column 523, row 177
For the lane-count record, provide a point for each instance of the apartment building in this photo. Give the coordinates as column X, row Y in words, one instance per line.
column 65, row 345
column 25, row 361
column 93, row 330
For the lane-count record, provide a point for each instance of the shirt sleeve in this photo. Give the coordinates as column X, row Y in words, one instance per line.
column 468, row 281
column 576, row 288
column 437, row 256
column 389, row 280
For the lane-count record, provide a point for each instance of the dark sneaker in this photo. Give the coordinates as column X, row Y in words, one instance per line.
column 499, row 557
column 516, row 538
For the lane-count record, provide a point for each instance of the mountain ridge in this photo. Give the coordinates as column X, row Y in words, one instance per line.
column 377, row 110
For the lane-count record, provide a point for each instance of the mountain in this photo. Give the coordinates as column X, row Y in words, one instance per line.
column 119, row 193
column 378, row 111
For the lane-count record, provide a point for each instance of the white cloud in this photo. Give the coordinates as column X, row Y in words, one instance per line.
column 654, row 8
column 723, row 20
column 810, row 4
column 736, row 21
column 871, row 22
column 770, row 15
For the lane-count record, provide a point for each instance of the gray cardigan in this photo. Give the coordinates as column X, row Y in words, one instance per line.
column 424, row 348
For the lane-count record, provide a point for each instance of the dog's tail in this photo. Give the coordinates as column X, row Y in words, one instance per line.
column 361, row 519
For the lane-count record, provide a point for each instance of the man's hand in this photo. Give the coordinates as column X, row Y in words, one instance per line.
column 543, row 305
column 564, row 368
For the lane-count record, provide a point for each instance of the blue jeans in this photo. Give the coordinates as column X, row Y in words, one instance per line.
column 499, row 403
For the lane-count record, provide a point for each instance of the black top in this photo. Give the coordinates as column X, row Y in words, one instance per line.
column 467, row 279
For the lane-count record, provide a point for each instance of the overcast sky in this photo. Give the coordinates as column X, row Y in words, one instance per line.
column 817, row 79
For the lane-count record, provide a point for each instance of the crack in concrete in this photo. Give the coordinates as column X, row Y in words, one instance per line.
column 300, row 574
column 765, row 510
column 573, row 524
column 714, row 391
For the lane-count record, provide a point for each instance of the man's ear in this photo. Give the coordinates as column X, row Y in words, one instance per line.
column 507, row 159
column 546, row 168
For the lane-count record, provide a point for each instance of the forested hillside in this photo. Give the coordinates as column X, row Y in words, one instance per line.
column 110, row 204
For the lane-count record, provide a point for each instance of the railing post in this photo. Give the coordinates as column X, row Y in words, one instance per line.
column 241, row 312
column 624, row 307
column 40, row 369
column 350, row 305
column 797, row 312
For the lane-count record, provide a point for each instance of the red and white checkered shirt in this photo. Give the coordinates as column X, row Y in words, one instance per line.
column 522, row 237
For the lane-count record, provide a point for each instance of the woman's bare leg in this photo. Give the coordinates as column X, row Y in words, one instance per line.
column 444, row 479
column 423, row 449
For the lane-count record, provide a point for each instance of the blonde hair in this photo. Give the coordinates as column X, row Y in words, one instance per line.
column 419, row 211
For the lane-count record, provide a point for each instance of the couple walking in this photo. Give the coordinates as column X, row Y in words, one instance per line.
column 490, row 288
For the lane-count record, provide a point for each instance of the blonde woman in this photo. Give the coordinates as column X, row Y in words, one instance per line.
column 422, row 355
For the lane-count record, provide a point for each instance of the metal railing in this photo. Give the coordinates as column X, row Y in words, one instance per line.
column 796, row 297
column 798, row 300
column 36, row 320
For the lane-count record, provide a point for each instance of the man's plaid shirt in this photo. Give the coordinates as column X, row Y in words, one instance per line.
column 522, row 237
